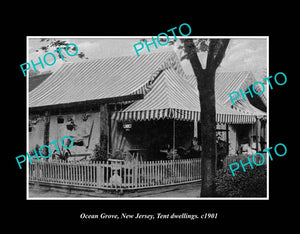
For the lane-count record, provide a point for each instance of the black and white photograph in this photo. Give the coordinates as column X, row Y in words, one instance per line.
column 152, row 117
column 114, row 118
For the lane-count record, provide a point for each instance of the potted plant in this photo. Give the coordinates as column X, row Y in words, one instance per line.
column 70, row 124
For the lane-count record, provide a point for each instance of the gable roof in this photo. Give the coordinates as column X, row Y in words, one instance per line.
column 168, row 91
column 102, row 78
column 35, row 81
column 227, row 82
column 172, row 96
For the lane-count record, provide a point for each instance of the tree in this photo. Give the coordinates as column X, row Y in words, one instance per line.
column 56, row 43
column 215, row 49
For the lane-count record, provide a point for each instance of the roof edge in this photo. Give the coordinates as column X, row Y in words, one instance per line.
column 89, row 102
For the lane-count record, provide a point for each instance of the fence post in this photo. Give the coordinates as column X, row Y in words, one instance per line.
column 135, row 174
column 98, row 174
column 37, row 168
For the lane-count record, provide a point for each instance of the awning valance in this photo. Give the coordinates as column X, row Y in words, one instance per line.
column 183, row 115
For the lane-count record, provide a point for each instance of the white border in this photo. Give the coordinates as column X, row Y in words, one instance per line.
column 141, row 198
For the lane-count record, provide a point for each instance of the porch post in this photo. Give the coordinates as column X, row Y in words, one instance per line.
column 195, row 128
column 46, row 132
column 174, row 135
column 227, row 139
column 104, row 128
column 257, row 124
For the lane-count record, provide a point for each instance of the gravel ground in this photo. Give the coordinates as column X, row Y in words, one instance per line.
column 178, row 191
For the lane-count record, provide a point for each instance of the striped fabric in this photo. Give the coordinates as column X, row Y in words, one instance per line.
column 227, row 82
column 159, row 76
column 172, row 97
column 102, row 78
column 182, row 115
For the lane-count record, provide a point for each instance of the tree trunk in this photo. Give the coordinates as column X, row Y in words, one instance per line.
column 206, row 86
column 208, row 132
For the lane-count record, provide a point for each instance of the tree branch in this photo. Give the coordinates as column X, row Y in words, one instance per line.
column 211, row 52
column 191, row 51
column 221, row 52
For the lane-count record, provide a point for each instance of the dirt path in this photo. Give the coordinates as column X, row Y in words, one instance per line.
column 178, row 191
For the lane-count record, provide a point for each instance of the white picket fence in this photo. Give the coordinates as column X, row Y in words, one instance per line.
column 116, row 174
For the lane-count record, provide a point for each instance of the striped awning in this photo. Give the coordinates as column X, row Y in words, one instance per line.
column 182, row 115
column 173, row 97
column 102, row 78
column 227, row 82
column 167, row 91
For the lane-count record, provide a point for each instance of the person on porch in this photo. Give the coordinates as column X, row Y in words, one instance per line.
column 195, row 149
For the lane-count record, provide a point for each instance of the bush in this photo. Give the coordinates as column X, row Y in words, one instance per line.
column 172, row 154
column 99, row 154
column 118, row 155
column 251, row 183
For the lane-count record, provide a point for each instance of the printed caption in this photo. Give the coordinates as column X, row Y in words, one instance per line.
column 154, row 216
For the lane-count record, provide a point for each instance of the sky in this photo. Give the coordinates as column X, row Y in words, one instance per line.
column 242, row 54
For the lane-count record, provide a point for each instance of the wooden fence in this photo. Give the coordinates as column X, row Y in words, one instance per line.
column 116, row 174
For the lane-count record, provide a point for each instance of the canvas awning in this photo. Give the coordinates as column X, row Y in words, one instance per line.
column 226, row 82
column 100, row 79
column 173, row 97
column 158, row 77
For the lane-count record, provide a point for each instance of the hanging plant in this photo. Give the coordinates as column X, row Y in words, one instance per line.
column 70, row 124
column 63, row 154
column 70, row 127
column 34, row 119
column 85, row 117
column 30, row 126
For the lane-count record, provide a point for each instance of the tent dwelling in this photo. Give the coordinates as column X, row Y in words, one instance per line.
column 142, row 105
column 241, row 133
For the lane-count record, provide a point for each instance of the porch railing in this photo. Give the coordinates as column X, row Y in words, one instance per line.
column 116, row 174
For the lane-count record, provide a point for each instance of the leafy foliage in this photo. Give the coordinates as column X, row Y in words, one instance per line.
column 55, row 43
column 221, row 151
column 118, row 155
column 251, row 183
column 172, row 154
column 63, row 154
column 99, row 154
